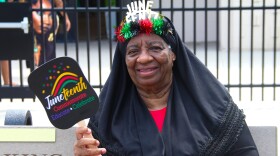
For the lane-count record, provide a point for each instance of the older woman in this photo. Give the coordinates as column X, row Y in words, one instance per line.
column 161, row 100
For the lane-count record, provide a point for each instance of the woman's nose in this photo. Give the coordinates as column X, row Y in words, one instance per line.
column 47, row 19
column 144, row 57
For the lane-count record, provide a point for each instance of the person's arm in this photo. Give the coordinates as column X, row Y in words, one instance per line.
column 5, row 71
column 245, row 145
column 59, row 4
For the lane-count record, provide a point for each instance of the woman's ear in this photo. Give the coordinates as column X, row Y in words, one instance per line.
column 173, row 56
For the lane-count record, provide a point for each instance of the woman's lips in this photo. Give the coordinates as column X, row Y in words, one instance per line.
column 145, row 72
column 46, row 29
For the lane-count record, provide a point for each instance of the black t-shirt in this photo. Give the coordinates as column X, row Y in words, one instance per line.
column 46, row 42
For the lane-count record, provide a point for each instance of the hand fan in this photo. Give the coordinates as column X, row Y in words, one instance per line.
column 64, row 92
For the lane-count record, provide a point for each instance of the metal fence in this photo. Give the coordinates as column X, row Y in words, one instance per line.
column 238, row 41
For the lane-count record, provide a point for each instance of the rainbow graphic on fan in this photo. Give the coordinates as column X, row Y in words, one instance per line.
column 63, row 80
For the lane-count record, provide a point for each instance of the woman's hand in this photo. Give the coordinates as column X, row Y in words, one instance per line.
column 86, row 144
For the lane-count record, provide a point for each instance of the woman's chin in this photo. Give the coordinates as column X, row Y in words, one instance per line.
column 148, row 82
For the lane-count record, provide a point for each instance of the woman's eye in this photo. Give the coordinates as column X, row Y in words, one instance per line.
column 132, row 52
column 155, row 49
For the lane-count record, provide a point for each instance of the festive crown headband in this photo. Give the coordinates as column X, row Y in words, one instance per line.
column 141, row 19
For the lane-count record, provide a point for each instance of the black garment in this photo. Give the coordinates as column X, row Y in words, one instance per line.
column 47, row 42
column 201, row 118
column 47, row 46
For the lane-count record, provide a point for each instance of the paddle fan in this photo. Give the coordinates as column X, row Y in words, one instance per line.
column 64, row 92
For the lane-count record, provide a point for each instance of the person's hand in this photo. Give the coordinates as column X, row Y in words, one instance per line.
column 86, row 144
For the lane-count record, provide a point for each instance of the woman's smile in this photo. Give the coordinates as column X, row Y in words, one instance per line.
column 147, row 71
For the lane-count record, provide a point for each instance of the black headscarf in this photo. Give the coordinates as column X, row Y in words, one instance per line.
column 201, row 118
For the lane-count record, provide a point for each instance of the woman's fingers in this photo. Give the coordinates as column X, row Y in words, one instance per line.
column 98, row 151
column 88, row 151
column 86, row 144
column 82, row 131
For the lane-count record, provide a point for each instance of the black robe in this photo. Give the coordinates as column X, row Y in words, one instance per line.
column 201, row 117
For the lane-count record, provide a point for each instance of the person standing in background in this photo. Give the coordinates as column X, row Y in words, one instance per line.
column 4, row 65
column 50, row 26
column 5, row 71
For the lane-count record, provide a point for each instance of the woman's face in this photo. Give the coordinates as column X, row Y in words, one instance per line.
column 149, row 61
column 47, row 17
